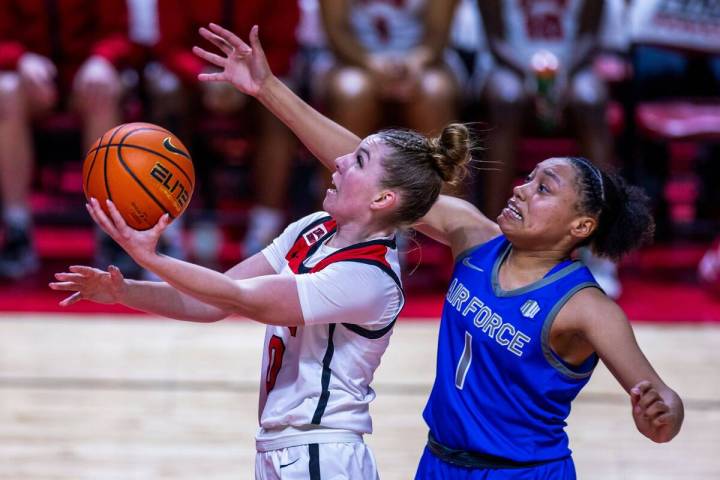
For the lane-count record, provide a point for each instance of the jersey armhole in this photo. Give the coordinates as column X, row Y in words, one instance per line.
column 586, row 368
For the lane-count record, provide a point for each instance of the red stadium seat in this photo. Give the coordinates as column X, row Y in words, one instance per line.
column 679, row 120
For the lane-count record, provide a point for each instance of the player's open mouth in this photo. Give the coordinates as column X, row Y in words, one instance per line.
column 512, row 211
column 334, row 188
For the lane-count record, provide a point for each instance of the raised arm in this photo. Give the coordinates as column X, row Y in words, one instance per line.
column 246, row 67
column 457, row 223
column 656, row 409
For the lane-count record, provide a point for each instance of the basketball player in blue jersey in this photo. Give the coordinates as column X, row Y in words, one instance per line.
column 523, row 324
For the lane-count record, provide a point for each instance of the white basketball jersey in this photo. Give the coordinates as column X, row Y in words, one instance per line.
column 532, row 25
column 388, row 25
column 315, row 385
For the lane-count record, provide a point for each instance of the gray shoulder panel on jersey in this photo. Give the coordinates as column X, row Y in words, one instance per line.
column 550, row 356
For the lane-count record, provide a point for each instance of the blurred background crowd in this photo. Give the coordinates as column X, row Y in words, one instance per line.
column 631, row 84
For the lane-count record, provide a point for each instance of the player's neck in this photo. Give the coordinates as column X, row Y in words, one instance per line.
column 351, row 234
column 530, row 264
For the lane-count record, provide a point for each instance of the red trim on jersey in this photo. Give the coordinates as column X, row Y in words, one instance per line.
column 301, row 248
column 315, row 233
column 368, row 252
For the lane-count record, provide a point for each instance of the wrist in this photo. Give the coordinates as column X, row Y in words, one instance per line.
column 267, row 87
column 123, row 293
column 148, row 261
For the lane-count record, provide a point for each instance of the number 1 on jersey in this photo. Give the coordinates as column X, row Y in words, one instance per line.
column 464, row 363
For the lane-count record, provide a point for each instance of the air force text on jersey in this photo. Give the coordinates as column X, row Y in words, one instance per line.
column 489, row 322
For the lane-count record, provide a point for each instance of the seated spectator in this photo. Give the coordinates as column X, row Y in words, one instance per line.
column 543, row 52
column 179, row 21
column 53, row 55
column 390, row 58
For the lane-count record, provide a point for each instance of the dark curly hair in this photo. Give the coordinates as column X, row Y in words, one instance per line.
column 417, row 166
column 624, row 219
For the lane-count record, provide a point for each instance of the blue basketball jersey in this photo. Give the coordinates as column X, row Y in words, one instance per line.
column 500, row 390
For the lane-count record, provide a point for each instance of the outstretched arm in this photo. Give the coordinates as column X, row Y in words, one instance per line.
column 271, row 299
column 246, row 67
column 457, row 223
column 159, row 298
column 656, row 409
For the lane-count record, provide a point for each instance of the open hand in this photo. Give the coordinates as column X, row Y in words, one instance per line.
column 140, row 245
column 243, row 65
column 90, row 284
column 653, row 417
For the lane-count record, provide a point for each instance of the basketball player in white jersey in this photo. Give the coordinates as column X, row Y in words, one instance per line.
column 328, row 288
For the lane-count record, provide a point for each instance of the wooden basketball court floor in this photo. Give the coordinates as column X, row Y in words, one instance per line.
column 132, row 397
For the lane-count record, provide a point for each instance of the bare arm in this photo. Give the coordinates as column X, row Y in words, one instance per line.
column 657, row 410
column 457, row 223
column 438, row 20
column 341, row 40
column 246, row 67
column 159, row 298
column 163, row 299
column 271, row 299
column 586, row 43
column 326, row 139
column 492, row 16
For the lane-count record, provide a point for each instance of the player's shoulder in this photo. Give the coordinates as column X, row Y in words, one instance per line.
column 311, row 218
column 590, row 306
column 295, row 228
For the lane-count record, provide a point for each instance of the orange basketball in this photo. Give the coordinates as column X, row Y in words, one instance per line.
column 144, row 169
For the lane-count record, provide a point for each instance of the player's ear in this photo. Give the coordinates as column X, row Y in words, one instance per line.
column 384, row 199
column 583, row 227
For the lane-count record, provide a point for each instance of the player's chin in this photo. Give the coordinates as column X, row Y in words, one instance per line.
column 506, row 224
column 330, row 200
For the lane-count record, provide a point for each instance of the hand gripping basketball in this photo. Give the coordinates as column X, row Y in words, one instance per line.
column 143, row 169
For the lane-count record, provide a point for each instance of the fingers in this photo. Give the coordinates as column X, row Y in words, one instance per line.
column 74, row 298
column 162, row 224
column 115, row 273
column 99, row 216
column 211, row 77
column 84, row 270
column 255, row 40
column 69, row 277
column 230, row 38
column 664, row 419
column 66, row 286
column 649, row 404
column 648, row 398
column 213, row 58
column 656, row 409
column 117, row 219
column 219, row 42
column 637, row 391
